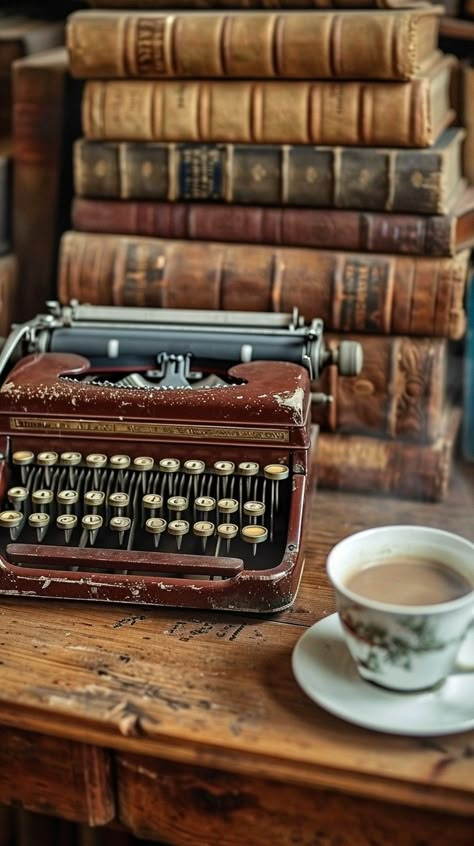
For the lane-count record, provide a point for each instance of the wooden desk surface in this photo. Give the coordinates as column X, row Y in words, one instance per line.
column 217, row 691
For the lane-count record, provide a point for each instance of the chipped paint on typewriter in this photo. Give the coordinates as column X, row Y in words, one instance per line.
column 159, row 457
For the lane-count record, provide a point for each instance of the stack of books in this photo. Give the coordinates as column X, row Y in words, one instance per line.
column 269, row 160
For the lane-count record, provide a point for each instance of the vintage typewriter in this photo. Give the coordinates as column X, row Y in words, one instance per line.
column 159, row 457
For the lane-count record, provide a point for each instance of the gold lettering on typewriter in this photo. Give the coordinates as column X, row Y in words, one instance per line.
column 38, row 424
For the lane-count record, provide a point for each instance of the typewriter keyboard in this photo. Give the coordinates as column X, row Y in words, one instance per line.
column 125, row 503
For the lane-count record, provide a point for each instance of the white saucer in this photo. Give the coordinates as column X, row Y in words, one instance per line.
column 326, row 672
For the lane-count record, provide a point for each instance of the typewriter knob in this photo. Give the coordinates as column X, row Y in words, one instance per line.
column 94, row 498
column 18, row 494
column 23, row 457
column 96, row 459
column 254, row 534
column 177, row 503
column 120, row 524
column 143, row 462
column 42, row 497
column 228, row 531
column 203, row 529
column 119, row 462
column 38, row 520
column 10, row 519
column 348, row 357
column 205, row 503
column 47, row 459
column 276, row 472
column 66, row 521
column 254, row 509
column 248, row 468
column 169, row 465
column 70, row 459
column 155, row 525
column 224, row 468
column 194, row 467
column 67, row 497
column 119, row 500
column 227, row 506
column 92, row 522
column 152, row 501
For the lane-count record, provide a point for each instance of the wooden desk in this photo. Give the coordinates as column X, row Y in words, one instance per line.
column 189, row 727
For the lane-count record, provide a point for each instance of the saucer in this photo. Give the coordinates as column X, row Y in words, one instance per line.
column 324, row 669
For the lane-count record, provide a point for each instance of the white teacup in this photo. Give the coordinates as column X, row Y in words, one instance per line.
column 403, row 647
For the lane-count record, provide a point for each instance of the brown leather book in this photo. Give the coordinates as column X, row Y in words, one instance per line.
column 399, row 114
column 254, row 4
column 45, row 123
column 468, row 116
column 351, row 292
column 5, row 193
column 378, row 179
column 410, row 234
column 8, row 292
column 390, row 467
column 252, row 45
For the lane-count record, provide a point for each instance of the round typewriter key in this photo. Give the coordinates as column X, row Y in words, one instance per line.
column 119, row 462
column 177, row 504
column 66, row 522
column 178, row 528
column 40, row 522
column 67, row 498
column 94, row 498
column 152, row 502
column 205, row 503
column 254, row 509
column 248, row 468
column 194, row 467
column 203, row 529
column 254, row 535
column 10, row 519
column 155, row 526
column 169, row 465
column 227, row 532
column 47, row 459
column 42, row 497
column 17, row 496
column 70, row 459
column 120, row 525
column 23, row 457
column 119, row 500
column 143, row 462
column 96, row 459
column 276, row 472
column 224, row 468
column 227, row 506
column 92, row 523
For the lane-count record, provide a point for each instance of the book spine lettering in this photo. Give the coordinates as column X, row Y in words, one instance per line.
column 349, row 113
column 317, row 177
column 243, row 46
column 351, row 292
column 345, row 230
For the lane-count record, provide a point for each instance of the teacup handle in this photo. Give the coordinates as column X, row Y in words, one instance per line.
column 462, row 666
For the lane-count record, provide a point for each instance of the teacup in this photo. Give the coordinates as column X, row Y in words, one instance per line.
column 398, row 644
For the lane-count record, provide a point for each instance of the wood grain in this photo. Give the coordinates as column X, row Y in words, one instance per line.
column 217, row 691
column 57, row 777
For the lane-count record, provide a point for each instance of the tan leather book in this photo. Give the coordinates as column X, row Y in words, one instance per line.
column 245, row 44
column 399, row 393
column 468, row 116
column 399, row 114
column 8, row 292
column 370, row 464
column 351, row 292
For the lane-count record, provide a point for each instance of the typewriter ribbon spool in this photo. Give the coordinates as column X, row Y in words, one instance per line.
column 159, row 457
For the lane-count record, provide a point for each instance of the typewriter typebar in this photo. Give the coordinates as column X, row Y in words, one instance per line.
column 158, row 457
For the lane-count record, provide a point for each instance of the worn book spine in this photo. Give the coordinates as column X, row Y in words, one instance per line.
column 468, row 115
column 346, row 113
column 260, row 45
column 399, row 468
column 255, row 4
column 42, row 140
column 351, row 292
column 380, row 179
column 8, row 292
column 400, row 392
column 322, row 228
column 5, row 198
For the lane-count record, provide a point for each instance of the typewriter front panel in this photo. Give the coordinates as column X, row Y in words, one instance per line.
column 104, row 500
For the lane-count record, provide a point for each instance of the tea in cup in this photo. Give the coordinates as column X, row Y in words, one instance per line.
column 405, row 599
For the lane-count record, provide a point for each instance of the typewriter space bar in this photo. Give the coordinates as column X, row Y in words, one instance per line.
column 42, row 557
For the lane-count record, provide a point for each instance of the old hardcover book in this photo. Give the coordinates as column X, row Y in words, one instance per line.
column 5, row 193
column 399, row 114
column 411, row 234
column 351, row 292
column 255, row 4
column 246, row 44
column 8, row 292
column 468, row 116
column 46, row 122
column 400, row 392
column 378, row 179
column 375, row 465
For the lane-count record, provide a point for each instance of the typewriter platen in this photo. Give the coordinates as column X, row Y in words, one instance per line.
column 159, row 457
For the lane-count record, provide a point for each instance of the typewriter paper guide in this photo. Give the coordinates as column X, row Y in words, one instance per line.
column 271, row 394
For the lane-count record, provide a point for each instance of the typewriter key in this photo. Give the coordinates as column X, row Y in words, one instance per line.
column 170, row 467
column 119, row 462
column 204, row 504
column 23, row 457
column 276, row 473
column 227, row 532
column 92, row 523
column 143, row 462
column 194, row 467
column 247, row 470
column 66, row 522
column 177, row 504
column 203, row 529
column 47, row 460
column 94, row 499
column 40, row 521
column 96, row 459
column 253, row 510
column 11, row 520
column 155, row 526
column 16, row 496
column 178, row 528
column 120, row 525
column 67, row 498
column 254, row 535
column 227, row 506
column 223, row 469
column 42, row 498
column 70, row 459
column 119, row 500
column 152, row 502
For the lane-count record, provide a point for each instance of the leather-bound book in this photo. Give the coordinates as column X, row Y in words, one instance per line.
column 385, row 232
column 254, row 4
column 46, row 122
column 252, row 45
column 8, row 292
column 377, row 179
column 378, row 466
column 351, row 292
column 21, row 36
column 468, row 115
column 365, row 113
column 5, row 193
column 400, row 392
